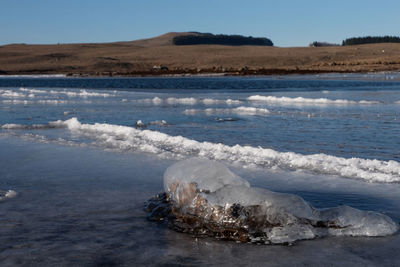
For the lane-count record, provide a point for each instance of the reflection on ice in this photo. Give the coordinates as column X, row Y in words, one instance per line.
column 205, row 198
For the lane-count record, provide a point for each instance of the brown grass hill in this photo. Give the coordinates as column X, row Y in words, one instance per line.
column 158, row 56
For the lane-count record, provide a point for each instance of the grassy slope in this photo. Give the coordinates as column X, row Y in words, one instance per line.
column 138, row 57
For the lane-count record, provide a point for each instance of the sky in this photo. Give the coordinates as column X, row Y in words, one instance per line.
column 285, row 22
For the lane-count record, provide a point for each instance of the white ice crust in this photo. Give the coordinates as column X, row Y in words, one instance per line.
column 220, row 187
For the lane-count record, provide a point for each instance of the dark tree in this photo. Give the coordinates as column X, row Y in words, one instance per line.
column 320, row 44
column 220, row 39
column 371, row 40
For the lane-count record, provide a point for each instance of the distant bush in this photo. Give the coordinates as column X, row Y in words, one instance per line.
column 220, row 39
column 371, row 40
column 320, row 44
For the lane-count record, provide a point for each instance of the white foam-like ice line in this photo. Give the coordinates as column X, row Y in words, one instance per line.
column 308, row 101
column 12, row 94
column 40, row 101
column 52, row 101
column 155, row 100
column 124, row 137
column 17, row 102
column 170, row 100
column 81, row 93
column 33, row 91
column 239, row 110
column 30, row 93
column 184, row 100
column 188, row 101
column 212, row 101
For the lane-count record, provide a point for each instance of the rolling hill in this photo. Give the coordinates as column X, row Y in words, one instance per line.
column 159, row 56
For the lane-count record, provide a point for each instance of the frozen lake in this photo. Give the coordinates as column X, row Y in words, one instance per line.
column 84, row 155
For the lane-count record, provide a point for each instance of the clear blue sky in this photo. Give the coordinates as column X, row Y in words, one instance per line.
column 285, row 22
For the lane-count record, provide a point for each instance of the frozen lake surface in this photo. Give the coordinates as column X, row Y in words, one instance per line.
column 83, row 155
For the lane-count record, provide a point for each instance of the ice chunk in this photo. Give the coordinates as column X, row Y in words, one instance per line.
column 156, row 100
column 355, row 222
column 208, row 175
column 7, row 194
column 140, row 124
column 206, row 198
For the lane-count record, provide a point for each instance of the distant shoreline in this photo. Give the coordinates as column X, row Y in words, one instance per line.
column 193, row 73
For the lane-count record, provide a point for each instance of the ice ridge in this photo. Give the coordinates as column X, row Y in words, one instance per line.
column 124, row 137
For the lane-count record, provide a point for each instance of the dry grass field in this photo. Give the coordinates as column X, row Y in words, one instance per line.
column 140, row 58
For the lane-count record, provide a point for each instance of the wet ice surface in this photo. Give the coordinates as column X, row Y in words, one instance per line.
column 79, row 206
